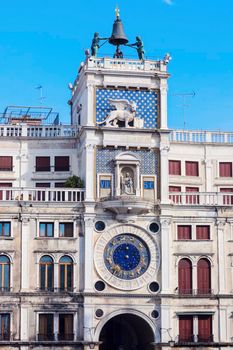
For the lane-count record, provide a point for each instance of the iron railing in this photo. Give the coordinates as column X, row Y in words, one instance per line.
column 46, row 336
column 5, row 336
column 65, row 336
column 195, row 292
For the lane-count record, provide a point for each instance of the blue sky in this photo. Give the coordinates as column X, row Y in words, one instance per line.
column 43, row 42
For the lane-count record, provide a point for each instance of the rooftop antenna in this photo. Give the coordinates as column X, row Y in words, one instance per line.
column 41, row 97
column 184, row 103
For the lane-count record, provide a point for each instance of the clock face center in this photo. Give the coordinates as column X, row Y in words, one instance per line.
column 126, row 256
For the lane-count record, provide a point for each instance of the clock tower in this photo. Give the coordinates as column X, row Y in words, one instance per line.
column 120, row 106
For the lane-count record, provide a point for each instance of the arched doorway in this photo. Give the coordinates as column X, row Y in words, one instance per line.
column 126, row 332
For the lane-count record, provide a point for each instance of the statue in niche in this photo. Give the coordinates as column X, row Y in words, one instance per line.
column 127, row 184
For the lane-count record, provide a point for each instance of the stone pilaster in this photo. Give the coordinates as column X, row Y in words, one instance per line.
column 163, row 103
column 221, row 257
column 25, row 230
column 90, row 172
column 164, row 177
column 88, row 253
column 165, row 254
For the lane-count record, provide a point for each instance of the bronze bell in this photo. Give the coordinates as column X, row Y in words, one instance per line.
column 118, row 35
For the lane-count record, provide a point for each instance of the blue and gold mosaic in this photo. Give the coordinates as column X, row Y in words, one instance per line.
column 105, row 161
column 147, row 104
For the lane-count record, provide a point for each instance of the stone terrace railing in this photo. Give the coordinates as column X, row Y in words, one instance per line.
column 125, row 64
column 197, row 136
column 202, row 198
column 42, row 194
column 40, row 131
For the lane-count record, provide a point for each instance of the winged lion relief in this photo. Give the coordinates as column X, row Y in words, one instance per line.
column 125, row 111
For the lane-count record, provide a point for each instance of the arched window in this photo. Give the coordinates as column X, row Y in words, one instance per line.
column 203, row 277
column 46, row 273
column 66, row 273
column 4, row 273
column 185, row 276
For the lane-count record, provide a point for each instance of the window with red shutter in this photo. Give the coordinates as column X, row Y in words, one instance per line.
column 225, row 169
column 43, row 184
column 185, row 276
column 205, row 328
column 203, row 277
column 42, row 163
column 192, row 198
column 186, row 328
column 59, row 184
column 6, row 163
column 191, row 168
column 174, row 189
column 228, row 198
column 184, row 232
column 202, row 232
column 175, row 198
column 62, row 163
column 174, row 167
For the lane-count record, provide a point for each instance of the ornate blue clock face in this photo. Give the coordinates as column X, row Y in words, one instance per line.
column 126, row 256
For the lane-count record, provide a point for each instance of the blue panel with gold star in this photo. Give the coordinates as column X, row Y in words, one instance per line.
column 147, row 104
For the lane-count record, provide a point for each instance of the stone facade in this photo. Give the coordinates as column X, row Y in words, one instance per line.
column 88, row 265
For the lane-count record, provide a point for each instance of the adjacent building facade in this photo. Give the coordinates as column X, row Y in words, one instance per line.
column 142, row 256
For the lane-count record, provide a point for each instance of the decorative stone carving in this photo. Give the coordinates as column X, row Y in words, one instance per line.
column 90, row 147
column 220, row 224
column 125, row 111
column 89, row 221
column 164, row 148
column 103, row 252
column 165, row 223
column 127, row 182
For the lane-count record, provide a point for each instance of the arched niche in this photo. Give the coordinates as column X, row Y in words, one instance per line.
column 127, row 174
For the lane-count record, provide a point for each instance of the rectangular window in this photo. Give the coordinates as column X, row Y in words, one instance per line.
column 203, row 232
column 42, row 163
column 105, row 184
column 43, row 184
column 149, row 185
column 186, row 328
column 66, row 229
column 205, row 328
column 175, row 197
column 225, row 169
column 192, row 198
column 174, row 167
column 5, row 229
column 46, row 331
column 66, row 327
column 227, row 198
column 184, row 232
column 59, row 184
column 62, row 163
column 191, row 168
column 4, row 326
column 46, row 229
column 6, row 163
